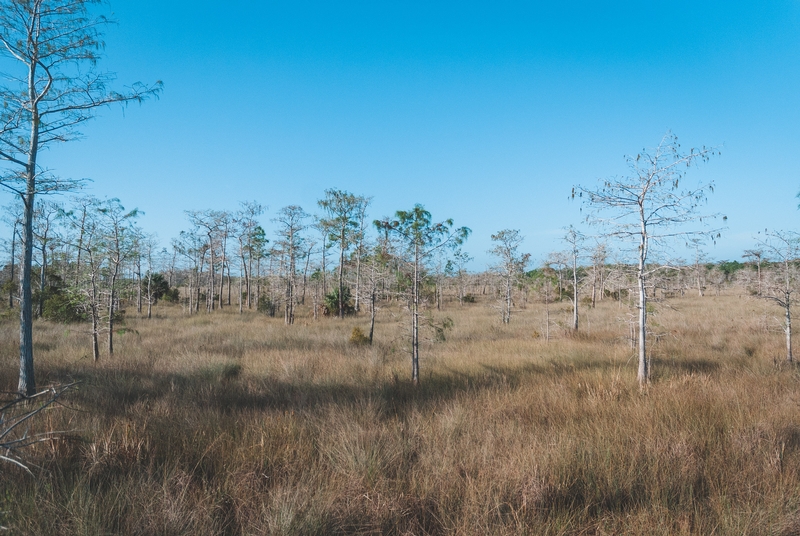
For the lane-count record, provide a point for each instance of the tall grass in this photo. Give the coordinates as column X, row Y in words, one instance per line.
column 229, row 424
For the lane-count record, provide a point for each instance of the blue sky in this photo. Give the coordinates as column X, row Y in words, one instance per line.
column 487, row 113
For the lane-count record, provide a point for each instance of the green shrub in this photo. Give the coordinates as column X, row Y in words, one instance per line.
column 266, row 306
column 332, row 302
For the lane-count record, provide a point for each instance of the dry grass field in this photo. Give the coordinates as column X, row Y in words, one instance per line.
column 228, row 424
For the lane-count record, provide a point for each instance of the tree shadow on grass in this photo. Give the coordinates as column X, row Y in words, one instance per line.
column 670, row 367
column 224, row 388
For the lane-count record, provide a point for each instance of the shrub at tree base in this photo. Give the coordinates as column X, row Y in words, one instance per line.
column 358, row 336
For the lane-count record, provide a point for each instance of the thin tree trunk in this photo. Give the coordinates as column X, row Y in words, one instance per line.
column 415, row 321
column 547, row 311
column 139, row 285
column 27, row 382
column 13, row 259
column 95, row 319
column 111, row 306
column 341, row 275
column 305, row 276
column 575, row 292
column 42, row 278
column 210, row 298
column 149, row 294
column 788, row 330
column 372, row 314
column 228, row 266
column 644, row 370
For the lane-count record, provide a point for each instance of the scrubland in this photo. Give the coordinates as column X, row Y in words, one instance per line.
column 227, row 424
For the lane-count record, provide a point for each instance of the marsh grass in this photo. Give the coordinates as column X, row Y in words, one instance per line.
column 229, row 424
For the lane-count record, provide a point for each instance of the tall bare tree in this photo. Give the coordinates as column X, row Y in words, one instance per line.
column 291, row 224
column 783, row 248
column 360, row 236
column 119, row 232
column 757, row 256
column 51, row 88
column 574, row 240
column 649, row 207
column 458, row 268
column 599, row 256
column 44, row 219
column 246, row 221
column 13, row 216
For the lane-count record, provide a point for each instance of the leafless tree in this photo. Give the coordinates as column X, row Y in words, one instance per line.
column 458, row 269
column 757, row 256
column 246, row 225
column 574, row 240
column 16, row 415
column 360, row 236
column 44, row 216
column 649, row 207
column 783, row 249
column 119, row 231
column 599, row 256
column 13, row 216
column 291, row 224
column 511, row 265
column 148, row 245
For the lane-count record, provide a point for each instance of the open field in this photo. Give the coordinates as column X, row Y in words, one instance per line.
column 229, row 424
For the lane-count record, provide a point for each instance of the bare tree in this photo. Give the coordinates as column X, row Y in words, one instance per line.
column 44, row 222
column 757, row 256
column 246, row 220
column 13, row 216
column 91, row 251
column 599, row 256
column 511, row 266
column 291, row 224
column 210, row 222
column 360, row 236
column 51, row 89
column 649, row 207
column 458, row 268
column 783, row 248
column 119, row 231
column 148, row 245
column 699, row 264
column 574, row 239
column 16, row 416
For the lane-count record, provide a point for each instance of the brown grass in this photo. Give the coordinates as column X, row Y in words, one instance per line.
column 228, row 424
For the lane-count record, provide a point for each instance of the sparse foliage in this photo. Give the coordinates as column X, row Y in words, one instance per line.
column 511, row 266
column 51, row 89
column 649, row 207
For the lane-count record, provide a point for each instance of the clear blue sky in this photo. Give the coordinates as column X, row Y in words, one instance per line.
column 487, row 113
